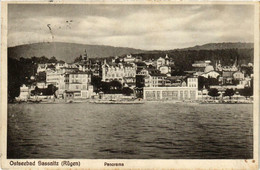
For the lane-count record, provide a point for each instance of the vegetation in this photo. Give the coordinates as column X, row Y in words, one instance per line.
column 247, row 92
column 50, row 90
column 21, row 71
column 213, row 93
column 229, row 93
column 206, row 82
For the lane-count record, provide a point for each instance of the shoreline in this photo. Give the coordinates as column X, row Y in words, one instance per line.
column 99, row 101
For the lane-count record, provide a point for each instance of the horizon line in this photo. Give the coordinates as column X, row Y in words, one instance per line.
column 131, row 47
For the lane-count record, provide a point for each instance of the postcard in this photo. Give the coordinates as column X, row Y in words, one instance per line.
column 129, row 85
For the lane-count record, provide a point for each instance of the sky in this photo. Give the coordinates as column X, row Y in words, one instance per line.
column 147, row 27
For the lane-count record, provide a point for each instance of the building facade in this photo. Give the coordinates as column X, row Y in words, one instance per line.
column 190, row 92
column 120, row 72
column 77, row 84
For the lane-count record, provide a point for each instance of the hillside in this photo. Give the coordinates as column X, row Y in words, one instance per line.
column 67, row 51
column 220, row 46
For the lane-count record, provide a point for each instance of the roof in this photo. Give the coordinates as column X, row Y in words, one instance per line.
column 80, row 72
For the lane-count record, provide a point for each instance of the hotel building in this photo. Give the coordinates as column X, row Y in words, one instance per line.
column 189, row 92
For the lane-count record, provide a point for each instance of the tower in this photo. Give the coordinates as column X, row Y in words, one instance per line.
column 167, row 62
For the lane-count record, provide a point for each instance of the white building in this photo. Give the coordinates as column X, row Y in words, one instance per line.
column 24, row 93
column 78, row 85
column 129, row 59
column 212, row 74
column 118, row 71
column 190, row 92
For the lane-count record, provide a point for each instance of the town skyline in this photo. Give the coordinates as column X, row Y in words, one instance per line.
column 145, row 27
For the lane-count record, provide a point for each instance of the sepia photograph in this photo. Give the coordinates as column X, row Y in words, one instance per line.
column 130, row 81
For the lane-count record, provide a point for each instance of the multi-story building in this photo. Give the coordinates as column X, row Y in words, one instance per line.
column 77, row 85
column 57, row 78
column 24, row 93
column 189, row 92
column 120, row 71
column 155, row 80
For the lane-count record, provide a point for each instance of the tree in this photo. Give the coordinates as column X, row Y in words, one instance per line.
column 202, row 81
column 115, row 85
column 96, row 82
column 127, row 91
column 36, row 91
column 105, row 87
column 78, row 59
column 53, row 60
column 229, row 92
column 51, row 89
column 212, row 81
column 43, row 59
column 213, row 93
column 247, row 92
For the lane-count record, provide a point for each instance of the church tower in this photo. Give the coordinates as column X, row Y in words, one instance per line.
column 167, row 60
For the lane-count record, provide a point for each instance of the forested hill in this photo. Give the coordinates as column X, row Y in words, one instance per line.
column 219, row 46
column 184, row 58
column 67, row 51
column 225, row 52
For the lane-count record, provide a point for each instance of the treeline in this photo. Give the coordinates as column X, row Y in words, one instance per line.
column 246, row 92
column 113, row 87
column 50, row 90
column 184, row 59
column 21, row 71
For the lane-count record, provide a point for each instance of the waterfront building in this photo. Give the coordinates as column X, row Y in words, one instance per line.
column 57, row 78
column 24, row 93
column 77, row 85
column 120, row 72
column 189, row 92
